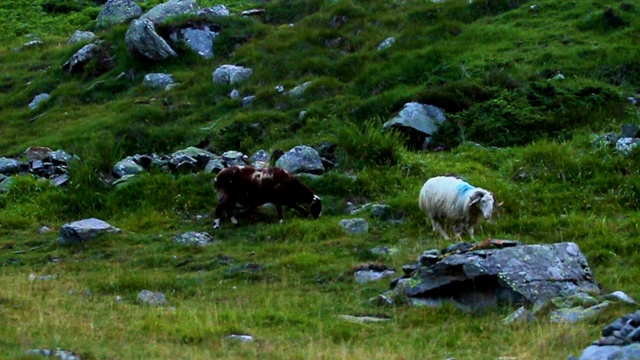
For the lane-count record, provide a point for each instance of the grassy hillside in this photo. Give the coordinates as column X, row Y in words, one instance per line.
column 489, row 64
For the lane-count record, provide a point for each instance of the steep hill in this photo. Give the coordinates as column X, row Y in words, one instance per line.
column 526, row 87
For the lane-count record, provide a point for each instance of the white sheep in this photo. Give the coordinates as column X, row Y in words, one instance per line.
column 452, row 202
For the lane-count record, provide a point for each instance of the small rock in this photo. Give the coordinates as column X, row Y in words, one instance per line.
column 362, row 319
column 355, row 227
column 240, row 338
column 152, row 298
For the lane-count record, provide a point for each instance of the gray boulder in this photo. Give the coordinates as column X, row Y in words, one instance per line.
column 234, row 158
column 127, row 166
column 355, row 227
column 301, row 159
column 117, row 12
column 159, row 13
column 421, row 121
column 214, row 166
column 81, row 57
column 199, row 40
column 231, row 74
column 576, row 314
column 142, row 39
column 10, row 166
column 84, row 230
column 38, row 99
column 157, row 80
column 526, row 274
column 80, row 36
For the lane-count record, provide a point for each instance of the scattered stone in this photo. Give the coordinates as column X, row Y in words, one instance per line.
column 194, row 239
column 519, row 316
column 199, row 40
column 44, row 230
column 81, row 58
column 386, row 43
column 620, row 296
column 365, row 276
column 58, row 353
column 126, row 167
column 300, row 89
column 117, row 12
column 248, row 100
column 251, row 12
column 355, row 227
column 157, row 80
column 80, row 36
column 578, row 313
column 152, row 298
column 38, row 100
column 234, row 94
column 84, row 230
column 231, row 158
column 362, row 319
column 231, row 74
column 384, row 250
column 240, row 338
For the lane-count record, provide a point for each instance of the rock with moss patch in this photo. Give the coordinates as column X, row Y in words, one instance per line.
column 355, row 227
column 301, row 159
column 419, row 121
column 38, row 100
column 117, row 12
column 81, row 36
column 84, row 230
column 142, row 40
column 161, row 12
column 194, row 239
column 231, row 74
column 152, row 298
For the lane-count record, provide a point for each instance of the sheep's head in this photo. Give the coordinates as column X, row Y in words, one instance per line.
column 316, row 207
column 483, row 200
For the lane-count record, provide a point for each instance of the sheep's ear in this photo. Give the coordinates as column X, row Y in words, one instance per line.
column 475, row 197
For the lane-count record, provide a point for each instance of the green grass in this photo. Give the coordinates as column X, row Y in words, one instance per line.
column 488, row 65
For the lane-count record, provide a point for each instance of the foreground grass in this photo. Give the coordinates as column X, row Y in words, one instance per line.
column 291, row 307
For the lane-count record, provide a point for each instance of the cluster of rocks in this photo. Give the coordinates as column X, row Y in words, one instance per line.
column 298, row 160
column 624, row 142
column 620, row 340
column 552, row 279
column 41, row 162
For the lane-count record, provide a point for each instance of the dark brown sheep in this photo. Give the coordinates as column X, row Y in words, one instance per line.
column 252, row 187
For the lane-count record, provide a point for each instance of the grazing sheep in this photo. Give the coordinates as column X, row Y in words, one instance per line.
column 251, row 187
column 452, row 202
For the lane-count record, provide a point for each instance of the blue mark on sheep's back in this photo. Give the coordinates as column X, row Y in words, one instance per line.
column 464, row 187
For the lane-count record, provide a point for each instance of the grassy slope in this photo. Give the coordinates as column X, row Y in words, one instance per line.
column 486, row 65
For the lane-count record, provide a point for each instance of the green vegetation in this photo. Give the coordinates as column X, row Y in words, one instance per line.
column 489, row 64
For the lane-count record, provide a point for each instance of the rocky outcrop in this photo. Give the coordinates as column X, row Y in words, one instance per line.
column 492, row 272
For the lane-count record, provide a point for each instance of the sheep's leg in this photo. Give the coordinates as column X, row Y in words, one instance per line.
column 470, row 231
column 458, row 230
column 437, row 227
column 279, row 210
column 224, row 206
